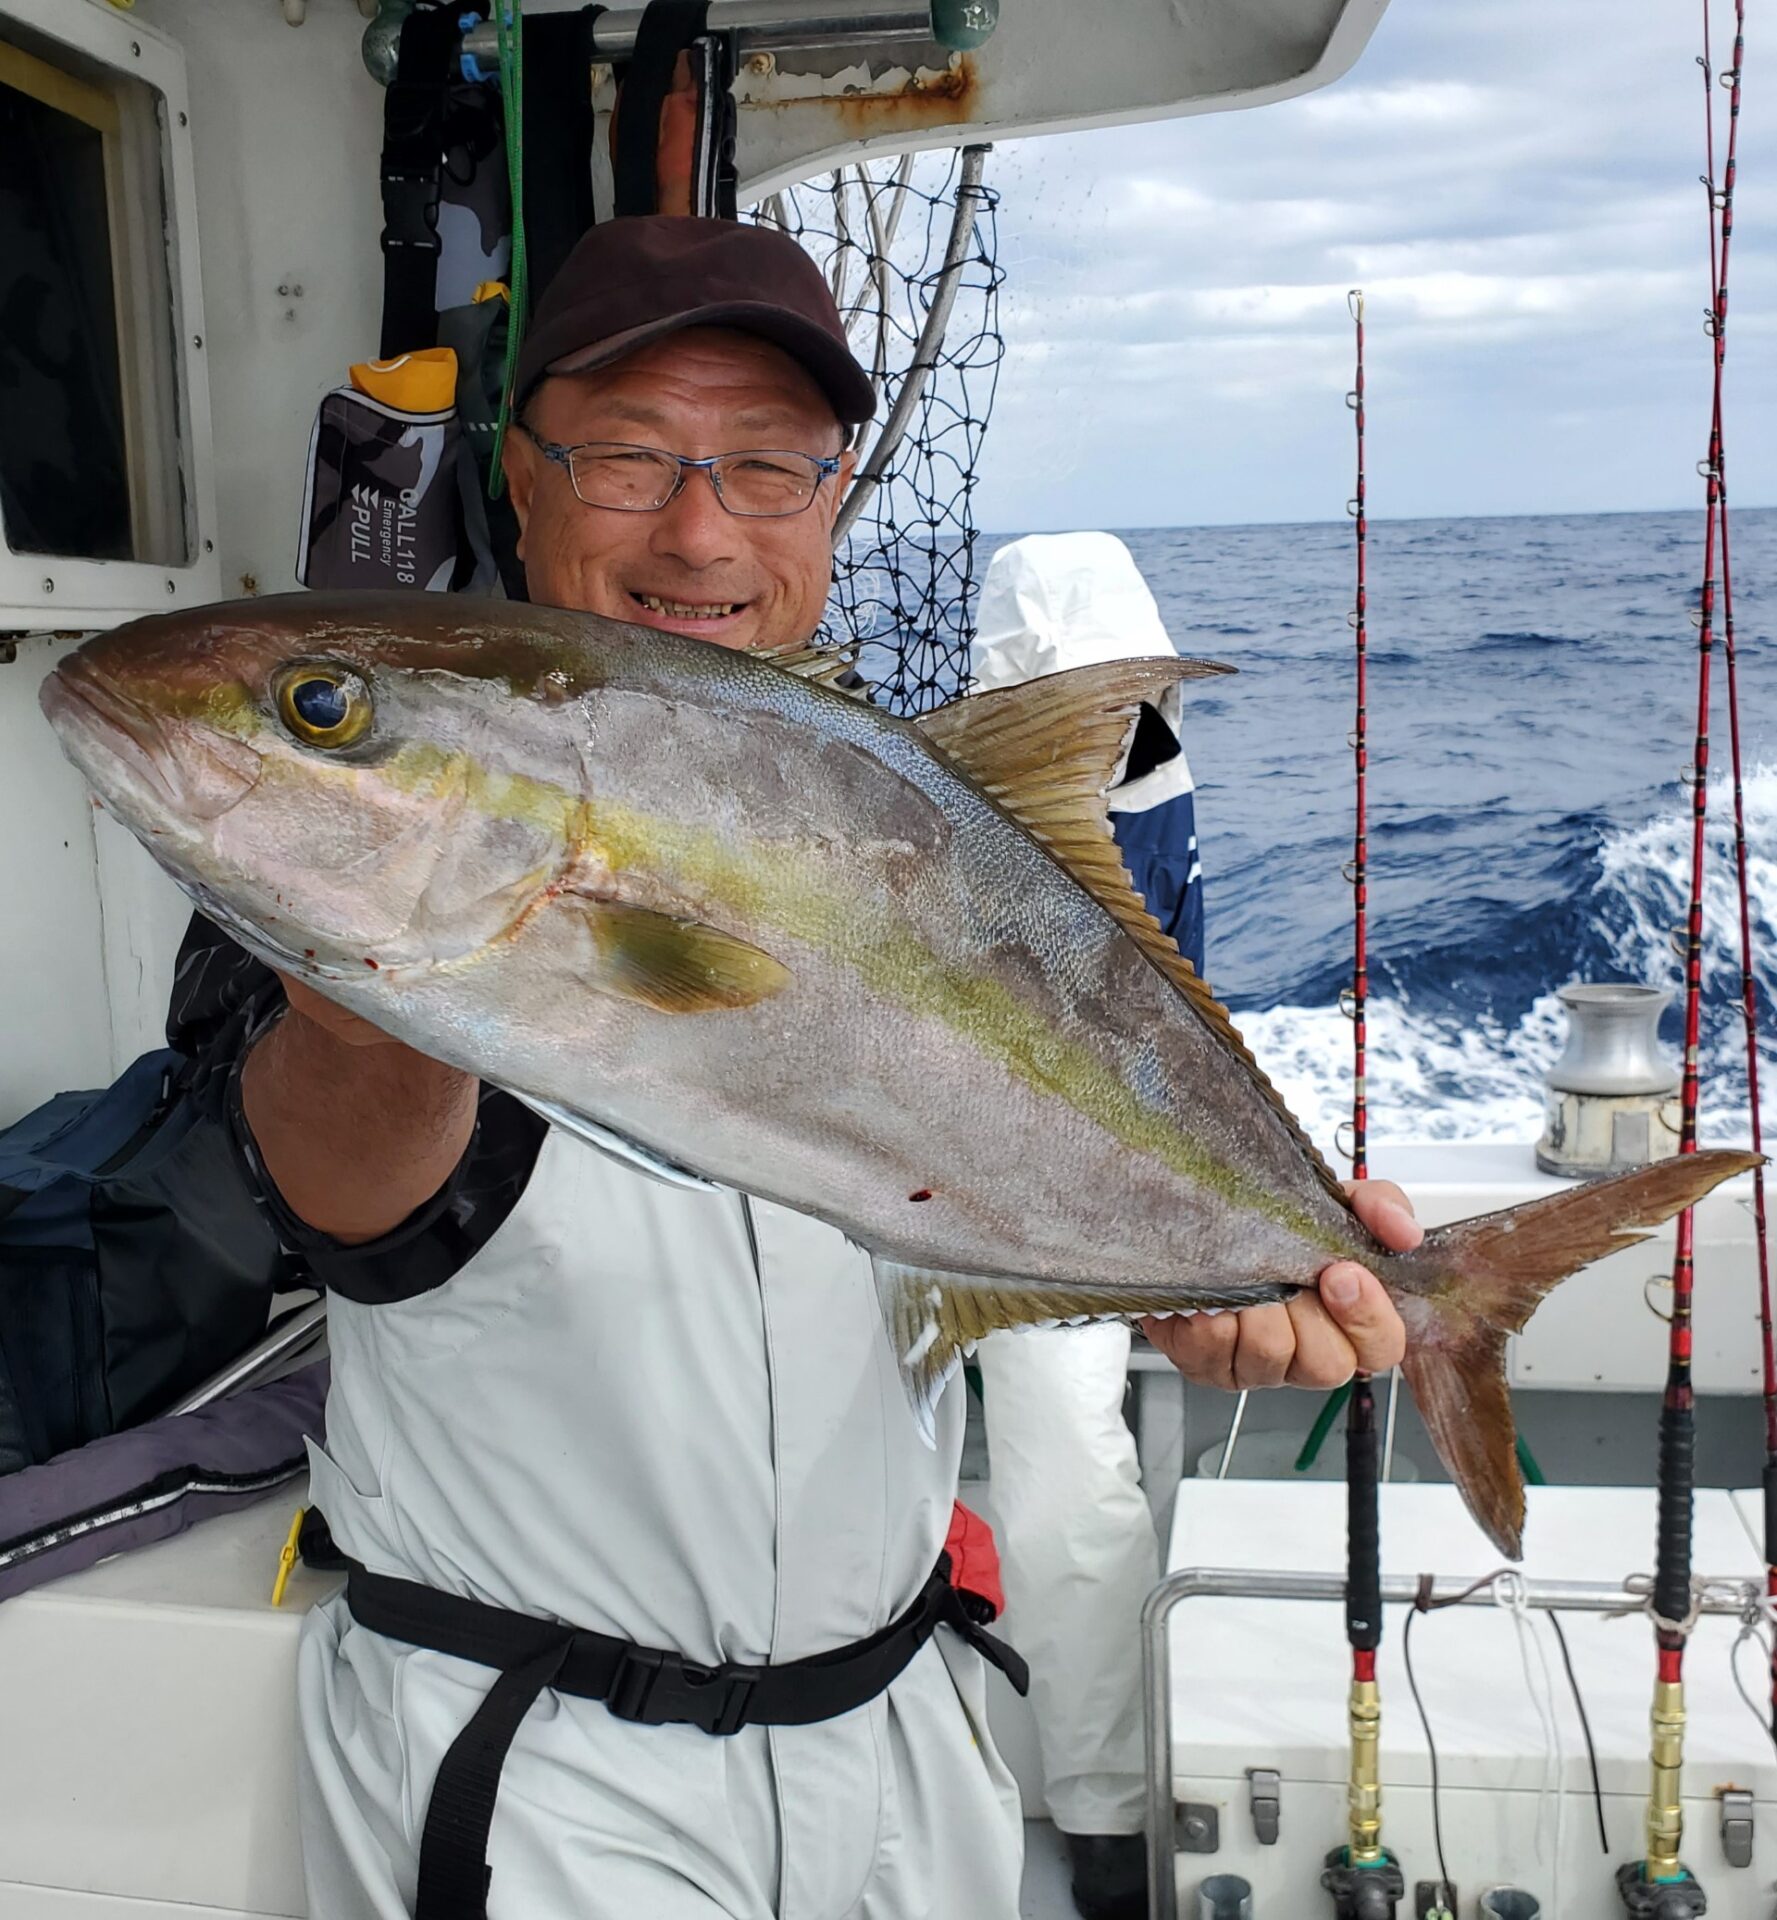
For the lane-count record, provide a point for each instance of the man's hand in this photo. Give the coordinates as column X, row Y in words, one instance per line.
column 1319, row 1339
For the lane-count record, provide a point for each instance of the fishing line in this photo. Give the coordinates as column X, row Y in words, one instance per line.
column 1750, row 1632
column 1509, row 1593
column 1233, row 1438
column 1424, row 1603
column 1394, row 1402
column 1579, row 1704
column 1446, row 1891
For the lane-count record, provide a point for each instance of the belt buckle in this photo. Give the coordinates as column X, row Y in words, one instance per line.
column 410, row 212
column 633, row 1685
column 657, row 1689
column 737, row 1697
column 713, row 1699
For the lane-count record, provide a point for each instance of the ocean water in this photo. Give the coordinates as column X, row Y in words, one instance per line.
column 1532, row 714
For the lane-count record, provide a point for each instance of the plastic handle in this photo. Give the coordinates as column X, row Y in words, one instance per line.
column 1678, row 1447
column 1363, row 1585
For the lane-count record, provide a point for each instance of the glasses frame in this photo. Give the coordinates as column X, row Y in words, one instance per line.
column 563, row 457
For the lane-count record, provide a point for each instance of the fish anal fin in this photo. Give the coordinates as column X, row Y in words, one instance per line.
column 671, row 965
column 934, row 1320
column 1045, row 751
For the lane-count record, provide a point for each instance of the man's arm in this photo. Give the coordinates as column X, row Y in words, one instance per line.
column 355, row 1129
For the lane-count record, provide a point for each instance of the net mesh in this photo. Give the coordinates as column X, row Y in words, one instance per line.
column 883, row 232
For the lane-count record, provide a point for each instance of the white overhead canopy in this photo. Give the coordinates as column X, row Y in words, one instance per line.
column 1051, row 66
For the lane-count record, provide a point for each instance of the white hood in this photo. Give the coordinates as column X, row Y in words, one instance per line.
column 1057, row 600
column 1052, row 601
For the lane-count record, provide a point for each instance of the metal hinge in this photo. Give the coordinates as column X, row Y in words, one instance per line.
column 1265, row 1799
column 1736, row 1825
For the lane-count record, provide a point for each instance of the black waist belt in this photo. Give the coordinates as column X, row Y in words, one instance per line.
column 643, row 1684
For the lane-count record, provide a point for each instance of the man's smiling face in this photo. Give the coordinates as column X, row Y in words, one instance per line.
column 691, row 567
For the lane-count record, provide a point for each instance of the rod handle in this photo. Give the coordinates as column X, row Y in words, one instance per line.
column 1672, row 1567
column 1363, row 1586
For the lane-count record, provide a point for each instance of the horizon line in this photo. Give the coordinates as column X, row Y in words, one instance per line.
column 1374, row 519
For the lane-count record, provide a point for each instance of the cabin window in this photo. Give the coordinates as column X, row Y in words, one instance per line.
column 89, row 402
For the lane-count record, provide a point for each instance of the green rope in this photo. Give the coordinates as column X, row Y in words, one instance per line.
column 1317, row 1434
column 1533, row 1474
column 509, row 24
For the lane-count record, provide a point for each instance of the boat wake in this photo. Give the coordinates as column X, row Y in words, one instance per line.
column 1436, row 1073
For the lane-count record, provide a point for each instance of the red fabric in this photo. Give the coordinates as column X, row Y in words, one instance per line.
column 974, row 1559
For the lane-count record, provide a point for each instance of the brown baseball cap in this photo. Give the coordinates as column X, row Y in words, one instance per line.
column 640, row 278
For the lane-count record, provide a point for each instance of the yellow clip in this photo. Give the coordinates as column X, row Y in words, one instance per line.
column 485, row 289
column 287, row 1558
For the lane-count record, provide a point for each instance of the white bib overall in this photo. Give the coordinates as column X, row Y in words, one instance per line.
column 673, row 1417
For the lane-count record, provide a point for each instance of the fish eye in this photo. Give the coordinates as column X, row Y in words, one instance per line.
column 323, row 705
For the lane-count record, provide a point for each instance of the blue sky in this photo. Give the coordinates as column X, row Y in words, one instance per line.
column 1513, row 182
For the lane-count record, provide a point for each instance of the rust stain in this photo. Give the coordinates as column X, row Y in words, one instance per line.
column 924, row 99
column 927, row 99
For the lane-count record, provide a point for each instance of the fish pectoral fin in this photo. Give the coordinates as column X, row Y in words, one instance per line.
column 616, row 1146
column 673, row 966
column 935, row 1319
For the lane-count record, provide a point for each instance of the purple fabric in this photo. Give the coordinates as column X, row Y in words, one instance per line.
column 155, row 1480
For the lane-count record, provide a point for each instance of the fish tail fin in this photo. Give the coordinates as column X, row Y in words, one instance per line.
column 1480, row 1280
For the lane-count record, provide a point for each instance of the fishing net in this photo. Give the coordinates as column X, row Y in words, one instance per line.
column 909, row 246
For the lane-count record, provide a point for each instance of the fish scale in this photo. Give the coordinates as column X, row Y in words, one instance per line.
column 722, row 919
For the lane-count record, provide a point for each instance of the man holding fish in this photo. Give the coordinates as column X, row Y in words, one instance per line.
column 867, row 1027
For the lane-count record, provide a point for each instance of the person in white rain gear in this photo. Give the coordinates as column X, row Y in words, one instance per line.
column 1078, row 1553
column 638, row 1447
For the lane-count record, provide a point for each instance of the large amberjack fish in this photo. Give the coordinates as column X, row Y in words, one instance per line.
column 723, row 918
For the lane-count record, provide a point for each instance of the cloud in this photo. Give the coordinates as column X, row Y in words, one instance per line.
column 1514, row 186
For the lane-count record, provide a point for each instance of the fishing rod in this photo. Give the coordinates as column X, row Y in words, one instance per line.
column 1660, row 1887
column 1716, row 324
column 1363, row 1877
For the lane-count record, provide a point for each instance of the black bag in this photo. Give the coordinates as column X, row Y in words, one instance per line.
column 134, row 1263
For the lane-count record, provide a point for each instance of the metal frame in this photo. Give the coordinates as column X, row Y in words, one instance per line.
column 758, row 27
column 1728, row 1596
column 60, row 592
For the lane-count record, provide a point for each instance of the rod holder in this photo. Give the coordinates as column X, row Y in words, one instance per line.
column 1510, row 1903
column 1224, row 1896
column 1726, row 1596
column 1680, row 1898
column 1370, row 1891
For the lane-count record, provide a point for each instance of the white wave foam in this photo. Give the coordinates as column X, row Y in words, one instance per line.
column 1431, row 1078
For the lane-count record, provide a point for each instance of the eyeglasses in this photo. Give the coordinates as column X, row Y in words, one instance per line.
column 766, row 484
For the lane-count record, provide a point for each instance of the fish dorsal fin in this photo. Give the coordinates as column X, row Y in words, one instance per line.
column 1045, row 751
column 828, row 665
